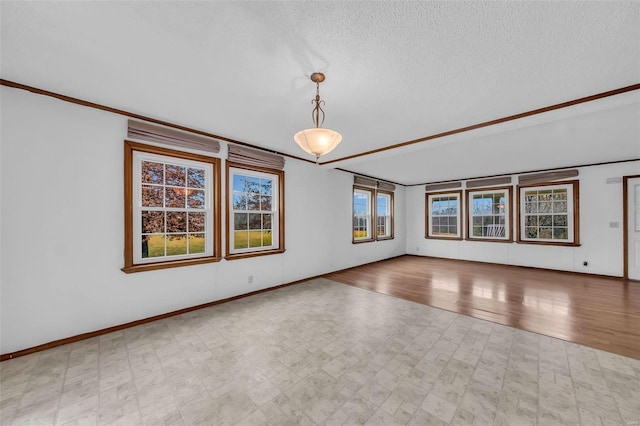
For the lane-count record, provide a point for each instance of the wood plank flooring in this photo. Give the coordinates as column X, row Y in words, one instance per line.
column 600, row 312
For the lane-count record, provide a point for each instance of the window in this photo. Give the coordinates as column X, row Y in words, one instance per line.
column 255, row 219
column 443, row 215
column 549, row 213
column 372, row 207
column 384, row 215
column 362, row 214
column 489, row 214
column 172, row 208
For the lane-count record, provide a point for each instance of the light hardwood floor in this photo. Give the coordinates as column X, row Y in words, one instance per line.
column 600, row 312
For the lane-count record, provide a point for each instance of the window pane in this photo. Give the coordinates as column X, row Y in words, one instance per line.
column 360, row 203
column 195, row 178
column 195, row 199
column 383, row 204
column 152, row 172
column 531, row 232
column 545, row 233
column 545, row 195
column 267, row 185
column 253, row 201
column 177, row 222
column 560, row 207
column 560, row 194
column 266, row 221
column 174, row 197
column 559, row 220
column 175, row 175
column 152, row 196
column 560, row 233
column 239, row 183
column 252, row 184
column 239, row 201
column 255, row 239
column 240, row 239
column 196, row 222
column 255, row 221
column 152, row 222
column 545, row 220
column 176, row 245
column 266, row 238
column 196, row 243
column 240, row 221
column 155, row 245
column 265, row 203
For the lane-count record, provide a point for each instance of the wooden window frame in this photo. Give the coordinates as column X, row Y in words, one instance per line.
column 574, row 213
column 508, row 215
column 391, row 218
column 373, row 213
column 428, row 219
column 214, row 194
column 280, row 213
column 371, row 236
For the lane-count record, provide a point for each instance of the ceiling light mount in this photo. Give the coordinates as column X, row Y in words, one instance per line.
column 317, row 141
column 317, row 77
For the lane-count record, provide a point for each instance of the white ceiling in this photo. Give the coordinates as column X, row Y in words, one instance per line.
column 396, row 71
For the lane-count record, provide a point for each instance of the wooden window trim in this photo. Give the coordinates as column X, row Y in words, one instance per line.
column 372, row 192
column 508, row 214
column 266, row 252
column 391, row 220
column 428, row 215
column 576, row 213
column 129, row 267
column 374, row 214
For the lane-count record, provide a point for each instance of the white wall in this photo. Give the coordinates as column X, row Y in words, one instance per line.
column 62, row 229
column 601, row 245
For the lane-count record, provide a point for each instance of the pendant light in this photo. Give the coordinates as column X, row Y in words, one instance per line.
column 317, row 140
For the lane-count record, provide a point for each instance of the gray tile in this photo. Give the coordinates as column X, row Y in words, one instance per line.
column 321, row 353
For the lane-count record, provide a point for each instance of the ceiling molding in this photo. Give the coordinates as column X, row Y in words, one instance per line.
column 493, row 122
column 117, row 111
column 633, row 87
column 473, row 178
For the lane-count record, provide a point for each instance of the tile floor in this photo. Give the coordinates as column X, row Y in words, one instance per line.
column 321, row 353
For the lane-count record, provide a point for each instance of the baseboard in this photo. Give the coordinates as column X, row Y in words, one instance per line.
column 89, row 335
column 524, row 267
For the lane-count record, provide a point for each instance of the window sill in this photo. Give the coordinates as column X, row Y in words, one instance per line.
column 235, row 256
column 549, row 243
column 166, row 265
column 443, row 238
column 369, row 240
column 490, row 240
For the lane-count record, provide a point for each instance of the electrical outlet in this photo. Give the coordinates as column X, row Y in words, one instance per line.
column 250, row 279
column 614, row 224
column 417, row 248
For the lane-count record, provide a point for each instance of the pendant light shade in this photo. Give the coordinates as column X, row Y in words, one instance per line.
column 317, row 140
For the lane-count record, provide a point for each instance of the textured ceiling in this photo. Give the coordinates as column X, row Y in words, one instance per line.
column 396, row 71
